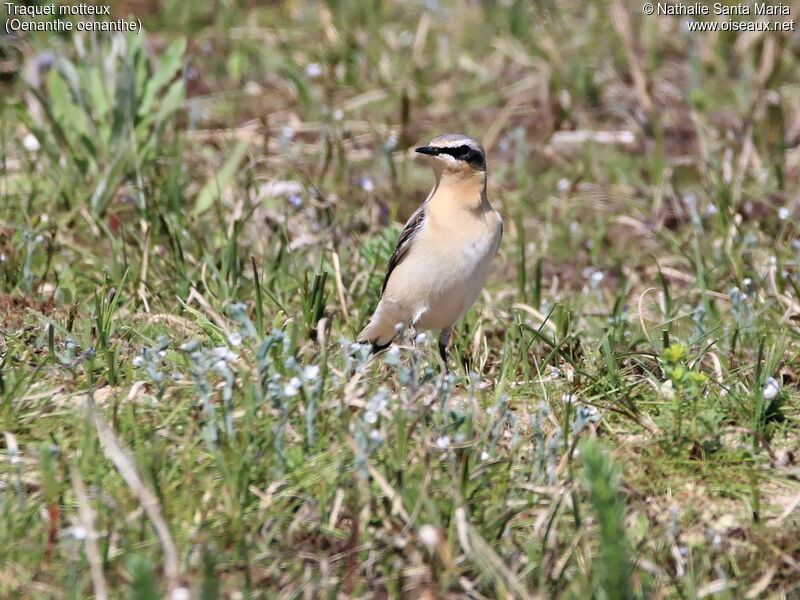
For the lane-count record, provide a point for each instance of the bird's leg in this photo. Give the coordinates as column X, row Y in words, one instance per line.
column 412, row 328
column 444, row 339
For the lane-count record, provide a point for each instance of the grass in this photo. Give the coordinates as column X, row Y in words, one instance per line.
column 194, row 225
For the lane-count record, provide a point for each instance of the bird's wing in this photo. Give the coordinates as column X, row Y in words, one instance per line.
column 413, row 225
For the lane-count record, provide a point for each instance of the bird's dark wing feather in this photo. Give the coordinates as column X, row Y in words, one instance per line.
column 404, row 243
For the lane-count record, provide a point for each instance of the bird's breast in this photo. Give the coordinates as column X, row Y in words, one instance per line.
column 445, row 269
column 460, row 251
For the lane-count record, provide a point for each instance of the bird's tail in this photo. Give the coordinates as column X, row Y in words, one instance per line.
column 380, row 347
column 378, row 336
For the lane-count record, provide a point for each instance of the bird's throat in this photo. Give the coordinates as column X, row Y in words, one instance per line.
column 460, row 189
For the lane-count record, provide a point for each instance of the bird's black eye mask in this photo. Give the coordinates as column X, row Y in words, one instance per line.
column 465, row 153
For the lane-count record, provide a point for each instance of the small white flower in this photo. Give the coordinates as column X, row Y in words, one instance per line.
column 569, row 398
column 367, row 184
column 484, row 455
column 443, row 443
column 783, row 213
column 596, row 278
column 378, row 403
column 371, row 417
column 375, row 436
column 313, row 70
column 338, row 115
column 711, row 210
column 293, row 387
column 31, row 143
column 138, row 361
column 590, row 411
column 420, row 339
column 295, row 201
column 189, row 346
column 162, row 354
column 771, row 388
column 180, row 593
column 563, row 184
column 429, row 536
column 79, row 532
column 311, row 372
column 235, row 338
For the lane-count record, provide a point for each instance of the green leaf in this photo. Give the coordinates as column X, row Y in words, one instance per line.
column 168, row 66
column 172, row 100
column 67, row 113
column 124, row 101
column 215, row 186
column 105, row 189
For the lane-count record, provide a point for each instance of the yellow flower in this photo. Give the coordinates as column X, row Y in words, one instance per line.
column 675, row 353
column 698, row 377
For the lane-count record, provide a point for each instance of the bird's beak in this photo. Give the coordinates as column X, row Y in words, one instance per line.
column 430, row 150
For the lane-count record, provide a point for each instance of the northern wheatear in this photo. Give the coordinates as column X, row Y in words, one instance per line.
column 443, row 256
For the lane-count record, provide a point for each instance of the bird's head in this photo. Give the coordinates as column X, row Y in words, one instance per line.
column 456, row 154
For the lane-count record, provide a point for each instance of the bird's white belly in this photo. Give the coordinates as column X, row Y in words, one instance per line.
column 443, row 281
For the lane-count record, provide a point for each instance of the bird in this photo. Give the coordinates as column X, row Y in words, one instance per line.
column 445, row 251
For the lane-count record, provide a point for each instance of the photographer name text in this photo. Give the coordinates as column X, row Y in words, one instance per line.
column 755, row 9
